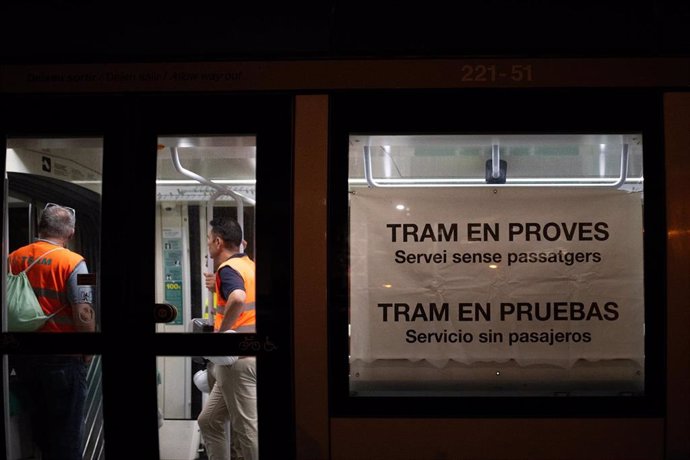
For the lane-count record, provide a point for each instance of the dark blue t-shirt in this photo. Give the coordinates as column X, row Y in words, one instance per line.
column 230, row 279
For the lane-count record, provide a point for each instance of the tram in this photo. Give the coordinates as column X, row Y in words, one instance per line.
column 455, row 257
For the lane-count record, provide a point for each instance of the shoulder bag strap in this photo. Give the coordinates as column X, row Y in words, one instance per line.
column 32, row 264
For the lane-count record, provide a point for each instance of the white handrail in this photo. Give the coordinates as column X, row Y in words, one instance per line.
column 476, row 182
column 495, row 161
column 220, row 191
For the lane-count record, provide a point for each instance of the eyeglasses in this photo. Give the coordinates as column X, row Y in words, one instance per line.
column 71, row 210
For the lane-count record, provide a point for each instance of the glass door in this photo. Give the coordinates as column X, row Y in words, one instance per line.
column 51, row 317
column 167, row 176
column 53, row 207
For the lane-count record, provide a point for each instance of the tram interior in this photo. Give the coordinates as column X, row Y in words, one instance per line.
column 201, row 177
column 198, row 178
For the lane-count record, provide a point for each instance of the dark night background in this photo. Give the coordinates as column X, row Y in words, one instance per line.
column 62, row 31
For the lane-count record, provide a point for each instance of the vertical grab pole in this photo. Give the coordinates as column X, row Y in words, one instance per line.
column 209, row 263
column 624, row 167
column 9, row 445
column 220, row 190
column 368, row 170
column 210, row 300
column 495, row 161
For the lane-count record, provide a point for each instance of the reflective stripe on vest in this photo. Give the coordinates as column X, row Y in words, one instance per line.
column 49, row 279
column 246, row 322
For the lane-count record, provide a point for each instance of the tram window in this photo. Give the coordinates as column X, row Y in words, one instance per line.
column 496, row 265
column 40, row 174
column 66, row 172
column 36, row 404
column 184, row 391
column 200, row 179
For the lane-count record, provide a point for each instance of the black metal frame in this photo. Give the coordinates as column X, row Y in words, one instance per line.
column 528, row 111
column 128, row 344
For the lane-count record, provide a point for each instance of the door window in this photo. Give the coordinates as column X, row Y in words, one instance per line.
column 152, row 333
column 221, row 256
column 199, row 179
column 203, row 184
column 52, row 230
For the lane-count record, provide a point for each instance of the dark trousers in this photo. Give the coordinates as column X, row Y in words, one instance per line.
column 53, row 390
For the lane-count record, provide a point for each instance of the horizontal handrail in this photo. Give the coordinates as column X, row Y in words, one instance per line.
column 618, row 182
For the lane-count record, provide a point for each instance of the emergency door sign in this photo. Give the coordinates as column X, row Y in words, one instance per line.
column 535, row 275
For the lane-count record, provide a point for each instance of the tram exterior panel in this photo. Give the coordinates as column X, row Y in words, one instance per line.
column 326, row 412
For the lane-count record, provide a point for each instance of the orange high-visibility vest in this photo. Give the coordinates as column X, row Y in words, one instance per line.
column 49, row 278
column 246, row 322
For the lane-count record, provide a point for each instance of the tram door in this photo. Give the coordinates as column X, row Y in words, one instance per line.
column 145, row 178
column 44, row 174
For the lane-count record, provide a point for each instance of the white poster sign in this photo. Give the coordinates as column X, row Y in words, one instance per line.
column 534, row 275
